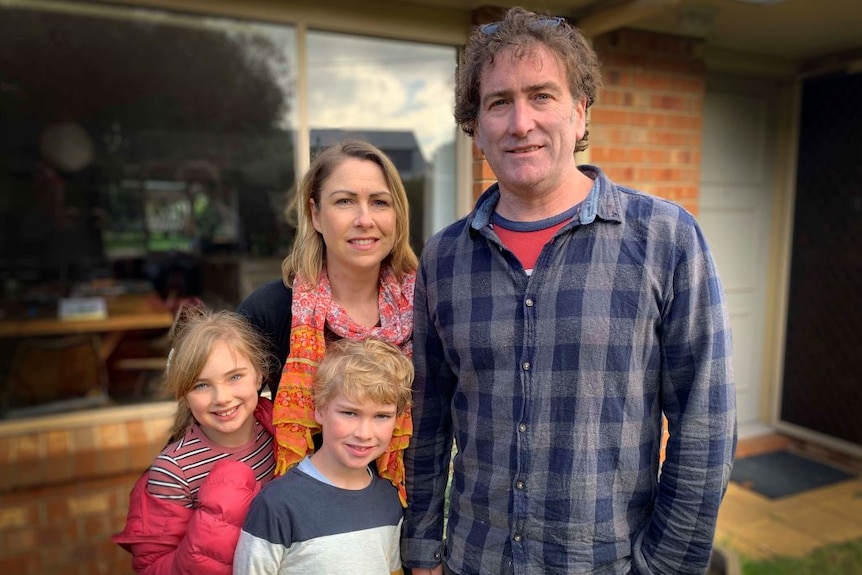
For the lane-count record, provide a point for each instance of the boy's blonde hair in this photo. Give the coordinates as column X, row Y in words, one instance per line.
column 368, row 369
column 195, row 332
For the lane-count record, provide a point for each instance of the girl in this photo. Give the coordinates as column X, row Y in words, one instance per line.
column 186, row 511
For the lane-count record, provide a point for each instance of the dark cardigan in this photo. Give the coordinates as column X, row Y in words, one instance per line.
column 268, row 308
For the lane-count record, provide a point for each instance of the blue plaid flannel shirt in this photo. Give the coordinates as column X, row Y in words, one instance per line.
column 553, row 386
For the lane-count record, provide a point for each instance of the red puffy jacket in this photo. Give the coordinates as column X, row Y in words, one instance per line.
column 165, row 538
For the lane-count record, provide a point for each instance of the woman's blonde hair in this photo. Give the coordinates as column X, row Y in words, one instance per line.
column 307, row 257
column 368, row 369
column 195, row 332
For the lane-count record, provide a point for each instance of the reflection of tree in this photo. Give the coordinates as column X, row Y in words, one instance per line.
column 138, row 74
column 415, row 189
column 155, row 93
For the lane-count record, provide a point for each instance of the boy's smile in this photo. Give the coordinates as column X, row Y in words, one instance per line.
column 355, row 434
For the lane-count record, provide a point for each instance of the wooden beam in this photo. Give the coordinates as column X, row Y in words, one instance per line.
column 620, row 15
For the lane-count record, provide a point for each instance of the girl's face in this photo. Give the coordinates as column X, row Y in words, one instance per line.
column 356, row 217
column 224, row 396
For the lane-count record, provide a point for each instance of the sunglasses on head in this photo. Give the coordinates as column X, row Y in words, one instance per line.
column 537, row 24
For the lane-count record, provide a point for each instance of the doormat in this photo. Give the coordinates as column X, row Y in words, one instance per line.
column 781, row 474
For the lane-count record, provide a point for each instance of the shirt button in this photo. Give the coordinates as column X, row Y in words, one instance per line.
column 519, row 485
column 517, row 538
column 522, row 427
column 529, row 302
column 436, row 556
column 526, row 366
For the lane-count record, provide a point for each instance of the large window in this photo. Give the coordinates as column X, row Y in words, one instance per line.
column 133, row 142
column 399, row 96
column 151, row 154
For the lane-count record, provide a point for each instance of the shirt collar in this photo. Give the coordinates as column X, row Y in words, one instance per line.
column 602, row 202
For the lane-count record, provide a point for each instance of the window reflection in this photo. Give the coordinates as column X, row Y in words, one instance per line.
column 399, row 96
column 144, row 156
column 188, row 125
column 147, row 156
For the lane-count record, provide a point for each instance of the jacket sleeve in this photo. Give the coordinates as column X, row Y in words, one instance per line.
column 213, row 531
column 698, row 399
column 426, row 459
column 165, row 538
column 154, row 529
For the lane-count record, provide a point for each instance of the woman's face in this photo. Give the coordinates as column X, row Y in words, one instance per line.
column 356, row 217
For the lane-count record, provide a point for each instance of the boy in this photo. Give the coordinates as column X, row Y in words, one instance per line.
column 330, row 513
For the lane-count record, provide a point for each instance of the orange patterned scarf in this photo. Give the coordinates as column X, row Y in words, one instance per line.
column 293, row 412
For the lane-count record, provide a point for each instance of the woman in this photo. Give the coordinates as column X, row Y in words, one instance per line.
column 350, row 274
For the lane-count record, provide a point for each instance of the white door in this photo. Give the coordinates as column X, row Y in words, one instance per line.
column 737, row 179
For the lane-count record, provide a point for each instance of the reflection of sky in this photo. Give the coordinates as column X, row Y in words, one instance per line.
column 367, row 83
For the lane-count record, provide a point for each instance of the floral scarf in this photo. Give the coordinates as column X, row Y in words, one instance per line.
column 293, row 412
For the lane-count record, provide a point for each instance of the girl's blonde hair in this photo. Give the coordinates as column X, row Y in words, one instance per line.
column 195, row 332
column 307, row 257
column 368, row 369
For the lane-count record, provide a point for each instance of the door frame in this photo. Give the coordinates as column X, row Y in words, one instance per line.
column 787, row 202
column 721, row 197
column 784, row 72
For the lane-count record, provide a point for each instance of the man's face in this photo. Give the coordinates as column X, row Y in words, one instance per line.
column 528, row 123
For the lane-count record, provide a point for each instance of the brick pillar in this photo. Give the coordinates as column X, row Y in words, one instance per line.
column 483, row 175
column 646, row 126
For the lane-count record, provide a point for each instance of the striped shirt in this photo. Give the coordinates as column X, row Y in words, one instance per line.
column 553, row 386
column 183, row 466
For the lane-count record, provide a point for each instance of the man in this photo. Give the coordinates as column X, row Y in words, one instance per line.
column 554, row 326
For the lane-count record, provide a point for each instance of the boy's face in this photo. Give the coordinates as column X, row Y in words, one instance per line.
column 355, row 433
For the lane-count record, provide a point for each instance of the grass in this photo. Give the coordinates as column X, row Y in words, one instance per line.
column 838, row 559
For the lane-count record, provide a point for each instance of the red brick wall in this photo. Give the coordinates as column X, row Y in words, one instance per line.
column 64, row 493
column 483, row 175
column 645, row 128
column 65, row 529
